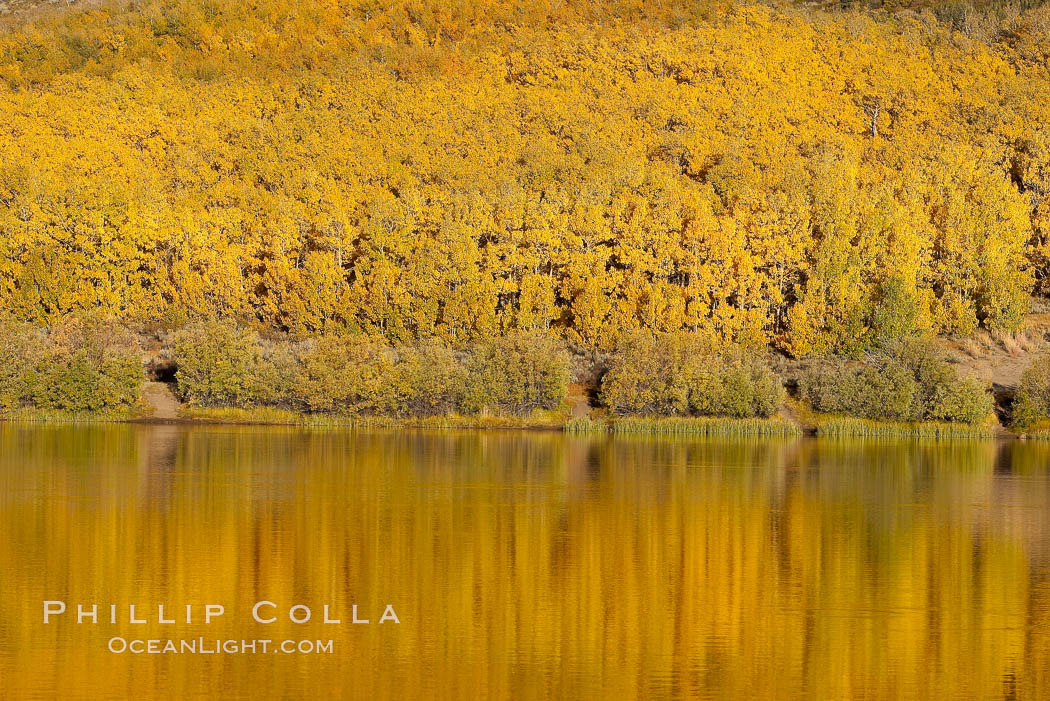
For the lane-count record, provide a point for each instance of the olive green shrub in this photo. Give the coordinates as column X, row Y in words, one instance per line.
column 883, row 389
column 22, row 347
column 683, row 374
column 737, row 387
column 353, row 374
column 647, row 375
column 1032, row 399
column 221, row 364
column 429, row 380
column 82, row 363
column 906, row 382
column 517, row 373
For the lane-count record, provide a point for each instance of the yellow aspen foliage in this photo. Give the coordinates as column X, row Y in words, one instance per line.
column 816, row 180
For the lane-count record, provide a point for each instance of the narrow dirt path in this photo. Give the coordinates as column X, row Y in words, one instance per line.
column 578, row 400
column 787, row 412
column 160, row 397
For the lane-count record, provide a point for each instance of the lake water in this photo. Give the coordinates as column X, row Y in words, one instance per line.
column 523, row 565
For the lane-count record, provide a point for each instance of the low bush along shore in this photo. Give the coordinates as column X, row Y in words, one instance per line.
column 1031, row 406
column 674, row 384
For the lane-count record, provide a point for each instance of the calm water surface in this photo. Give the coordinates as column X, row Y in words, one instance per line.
column 526, row 565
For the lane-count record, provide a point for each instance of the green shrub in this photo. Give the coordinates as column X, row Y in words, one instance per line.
column 896, row 312
column 429, row 379
column 345, row 373
column 219, row 364
column 907, row 382
column 967, row 402
column 740, row 388
column 1032, row 400
column 886, row 390
column 68, row 382
column 647, row 376
column 944, row 396
column 22, row 347
column 680, row 374
column 83, row 363
column 517, row 373
column 120, row 379
column 882, row 389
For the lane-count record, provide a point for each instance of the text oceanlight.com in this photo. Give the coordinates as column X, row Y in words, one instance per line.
column 205, row 646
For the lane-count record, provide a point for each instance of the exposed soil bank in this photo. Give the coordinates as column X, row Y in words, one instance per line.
column 161, row 400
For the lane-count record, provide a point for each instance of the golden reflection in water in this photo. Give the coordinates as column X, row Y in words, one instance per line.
column 528, row 565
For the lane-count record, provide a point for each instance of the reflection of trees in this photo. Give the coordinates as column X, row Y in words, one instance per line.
column 523, row 564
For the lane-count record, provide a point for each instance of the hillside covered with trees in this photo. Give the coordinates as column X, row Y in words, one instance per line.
column 814, row 180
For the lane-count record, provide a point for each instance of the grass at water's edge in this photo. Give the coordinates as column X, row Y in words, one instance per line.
column 268, row 415
column 776, row 427
column 550, row 420
column 1038, row 432
column 687, row 426
column 54, row 416
column 849, row 427
column 839, row 426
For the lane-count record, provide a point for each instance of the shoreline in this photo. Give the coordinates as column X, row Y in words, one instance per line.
column 783, row 425
column 794, row 418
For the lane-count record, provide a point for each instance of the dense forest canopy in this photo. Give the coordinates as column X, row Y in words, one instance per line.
column 813, row 179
